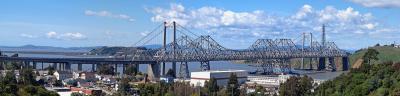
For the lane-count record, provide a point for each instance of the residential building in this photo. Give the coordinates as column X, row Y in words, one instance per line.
column 61, row 75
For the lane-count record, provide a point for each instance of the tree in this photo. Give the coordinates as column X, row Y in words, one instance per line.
column 296, row 86
column 106, row 70
column 124, row 86
column 77, row 94
column 27, row 76
column 212, row 87
column 131, row 70
column 51, row 70
column 371, row 54
column 170, row 72
column 233, row 86
column 377, row 45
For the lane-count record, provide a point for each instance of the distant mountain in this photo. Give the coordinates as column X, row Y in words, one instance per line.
column 47, row 48
column 152, row 46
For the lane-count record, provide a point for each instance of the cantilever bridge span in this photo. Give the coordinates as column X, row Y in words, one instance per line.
column 269, row 55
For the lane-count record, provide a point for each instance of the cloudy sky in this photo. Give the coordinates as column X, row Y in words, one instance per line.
column 352, row 24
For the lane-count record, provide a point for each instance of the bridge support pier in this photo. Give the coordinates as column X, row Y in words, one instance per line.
column 116, row 69
column 184, row 70
column 93, row 67
column 153, row 71
column 205, row 65
column 79, row 67
column 311, row 64
column 345, row 62
column 321, row 63
column 265, row 66
column 174, row 68
column 68, row 66
column 332, row 63
column 124, row 68
column 54, row 66
column 163, row 68
column 34, row 65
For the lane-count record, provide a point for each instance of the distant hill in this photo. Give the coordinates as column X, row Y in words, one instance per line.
column 46, row 48
column 386, row 53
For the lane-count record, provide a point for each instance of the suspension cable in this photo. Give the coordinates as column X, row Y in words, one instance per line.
column 141, row 39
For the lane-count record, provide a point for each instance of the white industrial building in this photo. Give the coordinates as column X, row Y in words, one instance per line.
column 222, row 76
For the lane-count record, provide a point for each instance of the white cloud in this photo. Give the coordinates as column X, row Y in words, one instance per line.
column 259, row 24
column 27, row 35
column 378, row 3
column 109, row 14
column 66, row 36
column 51, row 34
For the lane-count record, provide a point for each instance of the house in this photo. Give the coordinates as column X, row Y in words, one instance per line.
column 91, row 76
column 167, row 79
column 61, row 75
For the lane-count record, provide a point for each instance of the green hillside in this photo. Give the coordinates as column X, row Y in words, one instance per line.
column 387, row 53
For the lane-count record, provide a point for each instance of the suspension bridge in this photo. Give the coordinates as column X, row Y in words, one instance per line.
column 268, row 55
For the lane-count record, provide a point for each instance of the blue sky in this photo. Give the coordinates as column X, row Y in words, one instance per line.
column 235, row 24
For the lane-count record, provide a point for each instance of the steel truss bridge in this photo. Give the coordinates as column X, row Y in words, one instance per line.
column 270, row 55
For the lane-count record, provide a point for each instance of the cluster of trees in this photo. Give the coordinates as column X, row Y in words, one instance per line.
column 297, row 86
column 210, row 88
column 25, row 85
column 370, row 79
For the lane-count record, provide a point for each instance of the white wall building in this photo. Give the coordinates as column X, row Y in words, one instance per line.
column 61, row 75
column 267, row 80
column 222, row 76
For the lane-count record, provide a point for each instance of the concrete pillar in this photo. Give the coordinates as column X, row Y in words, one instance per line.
column 116, row 68
column 34, row 65
column 42, row 65
column 93, row 68
column 332, row 63
column 184, row 71
column 79, row 67
column 321, row 65
column 174, row 68
column 311, row 62
column 54, row 66
column 153, row 71
column 68, row 66
column 205, row 66
column 137, row 67
column 345, row 62
column 124, row 68
column 163, row 68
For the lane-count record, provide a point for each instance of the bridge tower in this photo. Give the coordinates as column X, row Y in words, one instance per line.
column 174, row 43
column 322, row 60
column 164, row 46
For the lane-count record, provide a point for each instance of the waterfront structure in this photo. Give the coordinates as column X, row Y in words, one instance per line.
column 222, row 76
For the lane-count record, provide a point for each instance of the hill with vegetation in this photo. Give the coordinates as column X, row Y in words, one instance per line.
column 371, row 78
column 110, row 51
column 387, row 53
